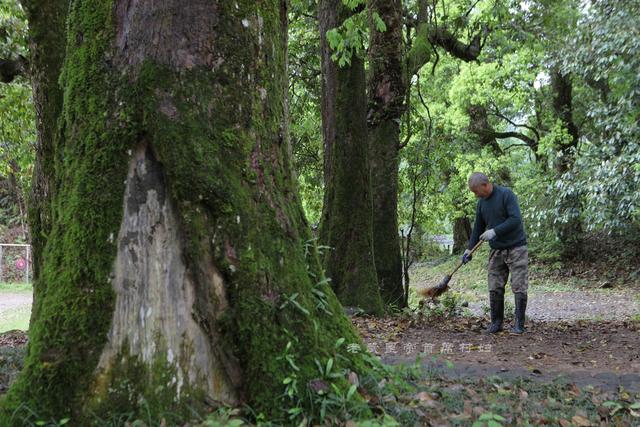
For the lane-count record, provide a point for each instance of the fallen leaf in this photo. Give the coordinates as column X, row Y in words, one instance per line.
column 581, row 421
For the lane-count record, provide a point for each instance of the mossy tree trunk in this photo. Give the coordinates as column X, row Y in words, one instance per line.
column 386, row 104
column 392, row 67
column 346, row 224
column 175, row 268
column 47, row 40
column 570, row 231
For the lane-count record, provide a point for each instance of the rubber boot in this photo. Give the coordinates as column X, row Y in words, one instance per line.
column 521, row 308
column 496, row 303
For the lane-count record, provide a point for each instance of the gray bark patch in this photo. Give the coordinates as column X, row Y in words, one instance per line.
column 170, row 32
column 156, row 294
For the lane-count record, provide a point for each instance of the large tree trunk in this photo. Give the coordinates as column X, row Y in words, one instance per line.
column 177, row 264
column 570, row 231
column 346, row 224
column 47, row 40
column 386, row 98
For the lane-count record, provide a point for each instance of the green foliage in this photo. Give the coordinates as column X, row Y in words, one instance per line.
column 17, row 116
column 489, row 419
column 603, row 53
column 17, row 133
column 13, row 30
column 304, row 95
column 349, row 39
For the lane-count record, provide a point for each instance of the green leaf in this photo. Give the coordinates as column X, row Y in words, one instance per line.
column 351, row 391
column 380, row 25
column 334, row 38
column 329, row 366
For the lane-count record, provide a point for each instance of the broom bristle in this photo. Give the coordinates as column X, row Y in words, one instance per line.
column 435, row 291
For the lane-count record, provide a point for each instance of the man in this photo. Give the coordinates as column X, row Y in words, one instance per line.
column 498, row 221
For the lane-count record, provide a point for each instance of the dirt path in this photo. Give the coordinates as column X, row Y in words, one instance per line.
column 577, row 305
column 10, row 300
column 603, row 354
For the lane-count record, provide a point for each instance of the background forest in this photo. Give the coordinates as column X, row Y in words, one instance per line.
column 549, row 107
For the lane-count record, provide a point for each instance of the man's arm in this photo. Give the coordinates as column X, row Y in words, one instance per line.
column 514, row 218
column 478, row 227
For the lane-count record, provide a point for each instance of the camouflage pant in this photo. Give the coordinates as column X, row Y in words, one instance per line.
column 503, row 261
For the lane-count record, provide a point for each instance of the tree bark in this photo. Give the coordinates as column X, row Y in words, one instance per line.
column 570, row 232
column 563, row 108
column 461, row 234
column 177, row 271
column 47, row 40
column 386, row 98
column 390, row 74
column 346, row 223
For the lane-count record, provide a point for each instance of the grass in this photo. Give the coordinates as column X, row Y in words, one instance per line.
column 15, row 317
column 16, row 288
column 471, row 279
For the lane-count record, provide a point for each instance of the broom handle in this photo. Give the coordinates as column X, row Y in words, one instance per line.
column 472, row 251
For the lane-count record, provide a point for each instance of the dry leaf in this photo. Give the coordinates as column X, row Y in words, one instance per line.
column 581, row 421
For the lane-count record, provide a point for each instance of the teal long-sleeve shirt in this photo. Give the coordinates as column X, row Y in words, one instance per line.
column 501, row 212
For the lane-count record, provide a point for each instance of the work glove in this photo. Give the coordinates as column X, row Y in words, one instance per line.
column 466, row 257
column 488, row 235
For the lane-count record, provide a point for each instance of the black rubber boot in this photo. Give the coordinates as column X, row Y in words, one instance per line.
column 496, row 302
column 521, row 308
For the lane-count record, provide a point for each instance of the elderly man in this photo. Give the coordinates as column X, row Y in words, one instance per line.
column 498, row 221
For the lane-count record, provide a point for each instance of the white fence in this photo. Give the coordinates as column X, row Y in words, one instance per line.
column 15, row 262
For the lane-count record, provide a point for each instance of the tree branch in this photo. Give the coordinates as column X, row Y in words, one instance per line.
column 448, row 41
column 530, row 142
column 429, row 36
column 496, row 112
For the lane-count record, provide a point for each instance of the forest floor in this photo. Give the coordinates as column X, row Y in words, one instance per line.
column 583, row 324
column 583, row 336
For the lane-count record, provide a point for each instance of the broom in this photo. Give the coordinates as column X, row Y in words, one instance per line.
column 442, row 287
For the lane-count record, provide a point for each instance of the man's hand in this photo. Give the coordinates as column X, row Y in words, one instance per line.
column 488, row 235
column 466, row 257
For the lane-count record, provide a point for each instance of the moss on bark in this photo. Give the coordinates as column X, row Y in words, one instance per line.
column 346, row 224
column 387, row 90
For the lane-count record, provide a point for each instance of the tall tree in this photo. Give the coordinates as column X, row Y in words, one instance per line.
column 174, row 263
column 386, row 97
column 392, row 68
column 346, row 224
column 569, row 231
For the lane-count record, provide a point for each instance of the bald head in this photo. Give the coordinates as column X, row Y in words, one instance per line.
column 478, row 178
column 480, row 185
